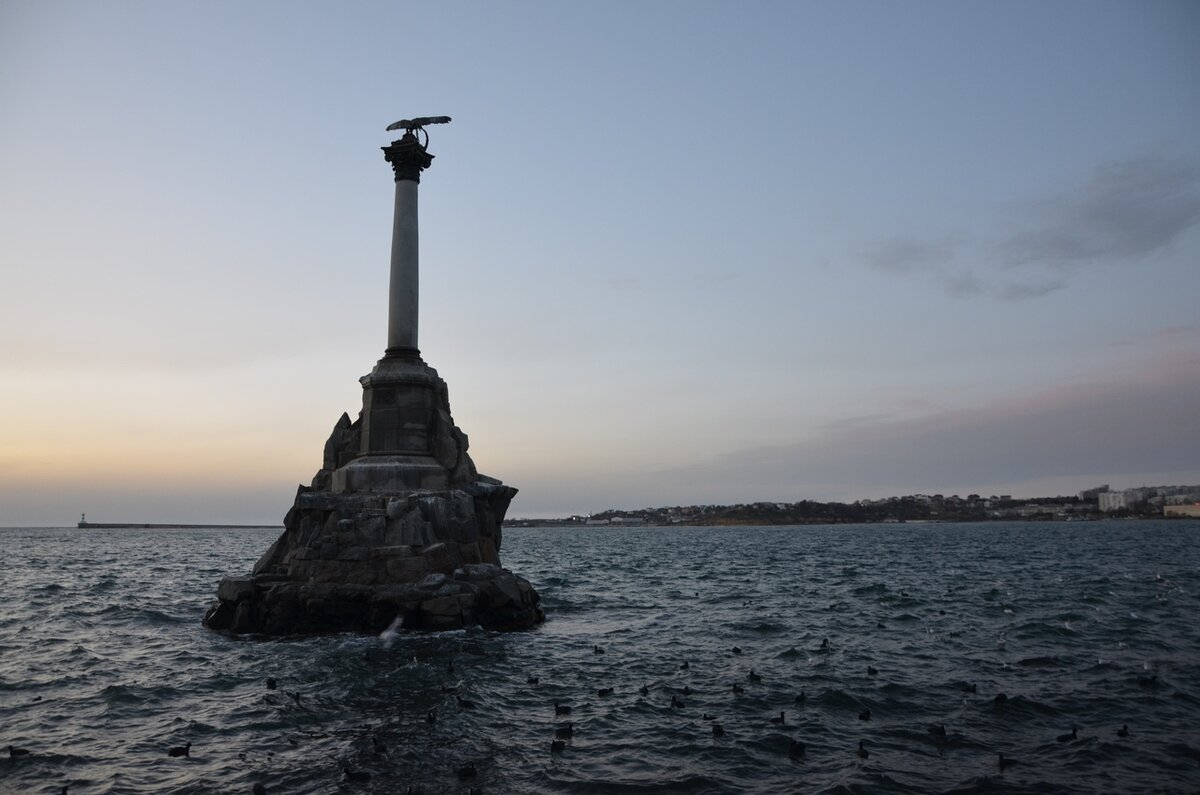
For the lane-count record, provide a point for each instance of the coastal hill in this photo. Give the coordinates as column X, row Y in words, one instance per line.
column 1098, row 503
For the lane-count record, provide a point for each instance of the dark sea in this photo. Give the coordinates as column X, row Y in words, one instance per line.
column 104, row 666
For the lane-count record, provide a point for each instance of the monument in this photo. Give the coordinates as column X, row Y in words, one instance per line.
column 397, row 527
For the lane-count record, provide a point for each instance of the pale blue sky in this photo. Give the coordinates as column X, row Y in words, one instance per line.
column 672, row 252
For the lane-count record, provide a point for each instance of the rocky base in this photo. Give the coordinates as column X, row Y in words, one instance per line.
column 474, row 594
column 398, row 527
column 359, row 562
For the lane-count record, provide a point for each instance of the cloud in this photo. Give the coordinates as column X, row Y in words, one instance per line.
column 1139, row 422
column 1124, row 213
column 1019, row 292
column 907, row 255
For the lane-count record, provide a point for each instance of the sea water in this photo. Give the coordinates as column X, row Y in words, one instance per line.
column 104, row 666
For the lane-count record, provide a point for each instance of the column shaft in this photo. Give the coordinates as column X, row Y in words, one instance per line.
column 403, row 285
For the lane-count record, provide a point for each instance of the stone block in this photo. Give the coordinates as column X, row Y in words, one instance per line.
column 478, row 572
column 235, row 589
column 507, row 584
column 219, row 616
column 300, row 553
column 398, row 506
column 391, row 552
column 317, row 500
column 309, row 526
column 432, row 582
column 469, row 553
column 442, row 606
column 410, row 530
column 487, row 551
column 441, row 557
column 354, row 553
column 408, row 569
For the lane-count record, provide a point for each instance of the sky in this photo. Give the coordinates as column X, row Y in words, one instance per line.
column 671, row 252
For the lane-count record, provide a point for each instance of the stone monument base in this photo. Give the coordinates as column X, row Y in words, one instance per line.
column 360, row 562
column 381, row 536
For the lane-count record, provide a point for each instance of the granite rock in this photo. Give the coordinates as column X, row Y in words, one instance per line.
column 362, row 557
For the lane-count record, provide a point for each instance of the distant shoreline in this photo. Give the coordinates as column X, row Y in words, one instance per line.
column 161, row 526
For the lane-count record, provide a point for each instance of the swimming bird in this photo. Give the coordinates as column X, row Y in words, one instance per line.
column 565, row 731
column 1148, row 681
column 377, row 746
column 800, row 699
column 938, row 731
column 879, row 625
column 677, row 702
column 778, row 721
column 1000, row 698
column 1003, row 761
column 557, row 746
column 14, row 752
column 687, row 691
column 706, row 716
column 645, row 691
column 796, row 748
column 604, row 691
column 717, row 730
column 597, row 650
column 271, row 683
column 431, row 716
column 561, row 709
column 464, row 703
column 738, row 689
column 1072, row 735
column 684, row 666
column 449, row 689
column 863, row 753
column 970, row 688
column 736, row 650
column 755, row 678
column 468, row 770
column 865, row 714
column 825, row 643
column 533, row 680
column 1123, row 731
column 180, row 750
column 359, row 776
column 872, row 671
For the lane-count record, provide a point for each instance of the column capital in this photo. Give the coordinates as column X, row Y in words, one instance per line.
column 408, row 157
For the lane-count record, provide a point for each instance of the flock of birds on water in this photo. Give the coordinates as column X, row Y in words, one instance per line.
column 564, row 732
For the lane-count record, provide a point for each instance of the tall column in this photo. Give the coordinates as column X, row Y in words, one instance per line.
column 408, row 158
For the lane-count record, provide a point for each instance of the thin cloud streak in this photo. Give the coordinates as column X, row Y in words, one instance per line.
column 1124, row 213
column 1145, row 422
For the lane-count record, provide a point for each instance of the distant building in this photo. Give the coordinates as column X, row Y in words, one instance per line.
column 1112, row 501
column 1192, row 511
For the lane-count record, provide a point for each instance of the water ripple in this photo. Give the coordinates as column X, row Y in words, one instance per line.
column 103, row 666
